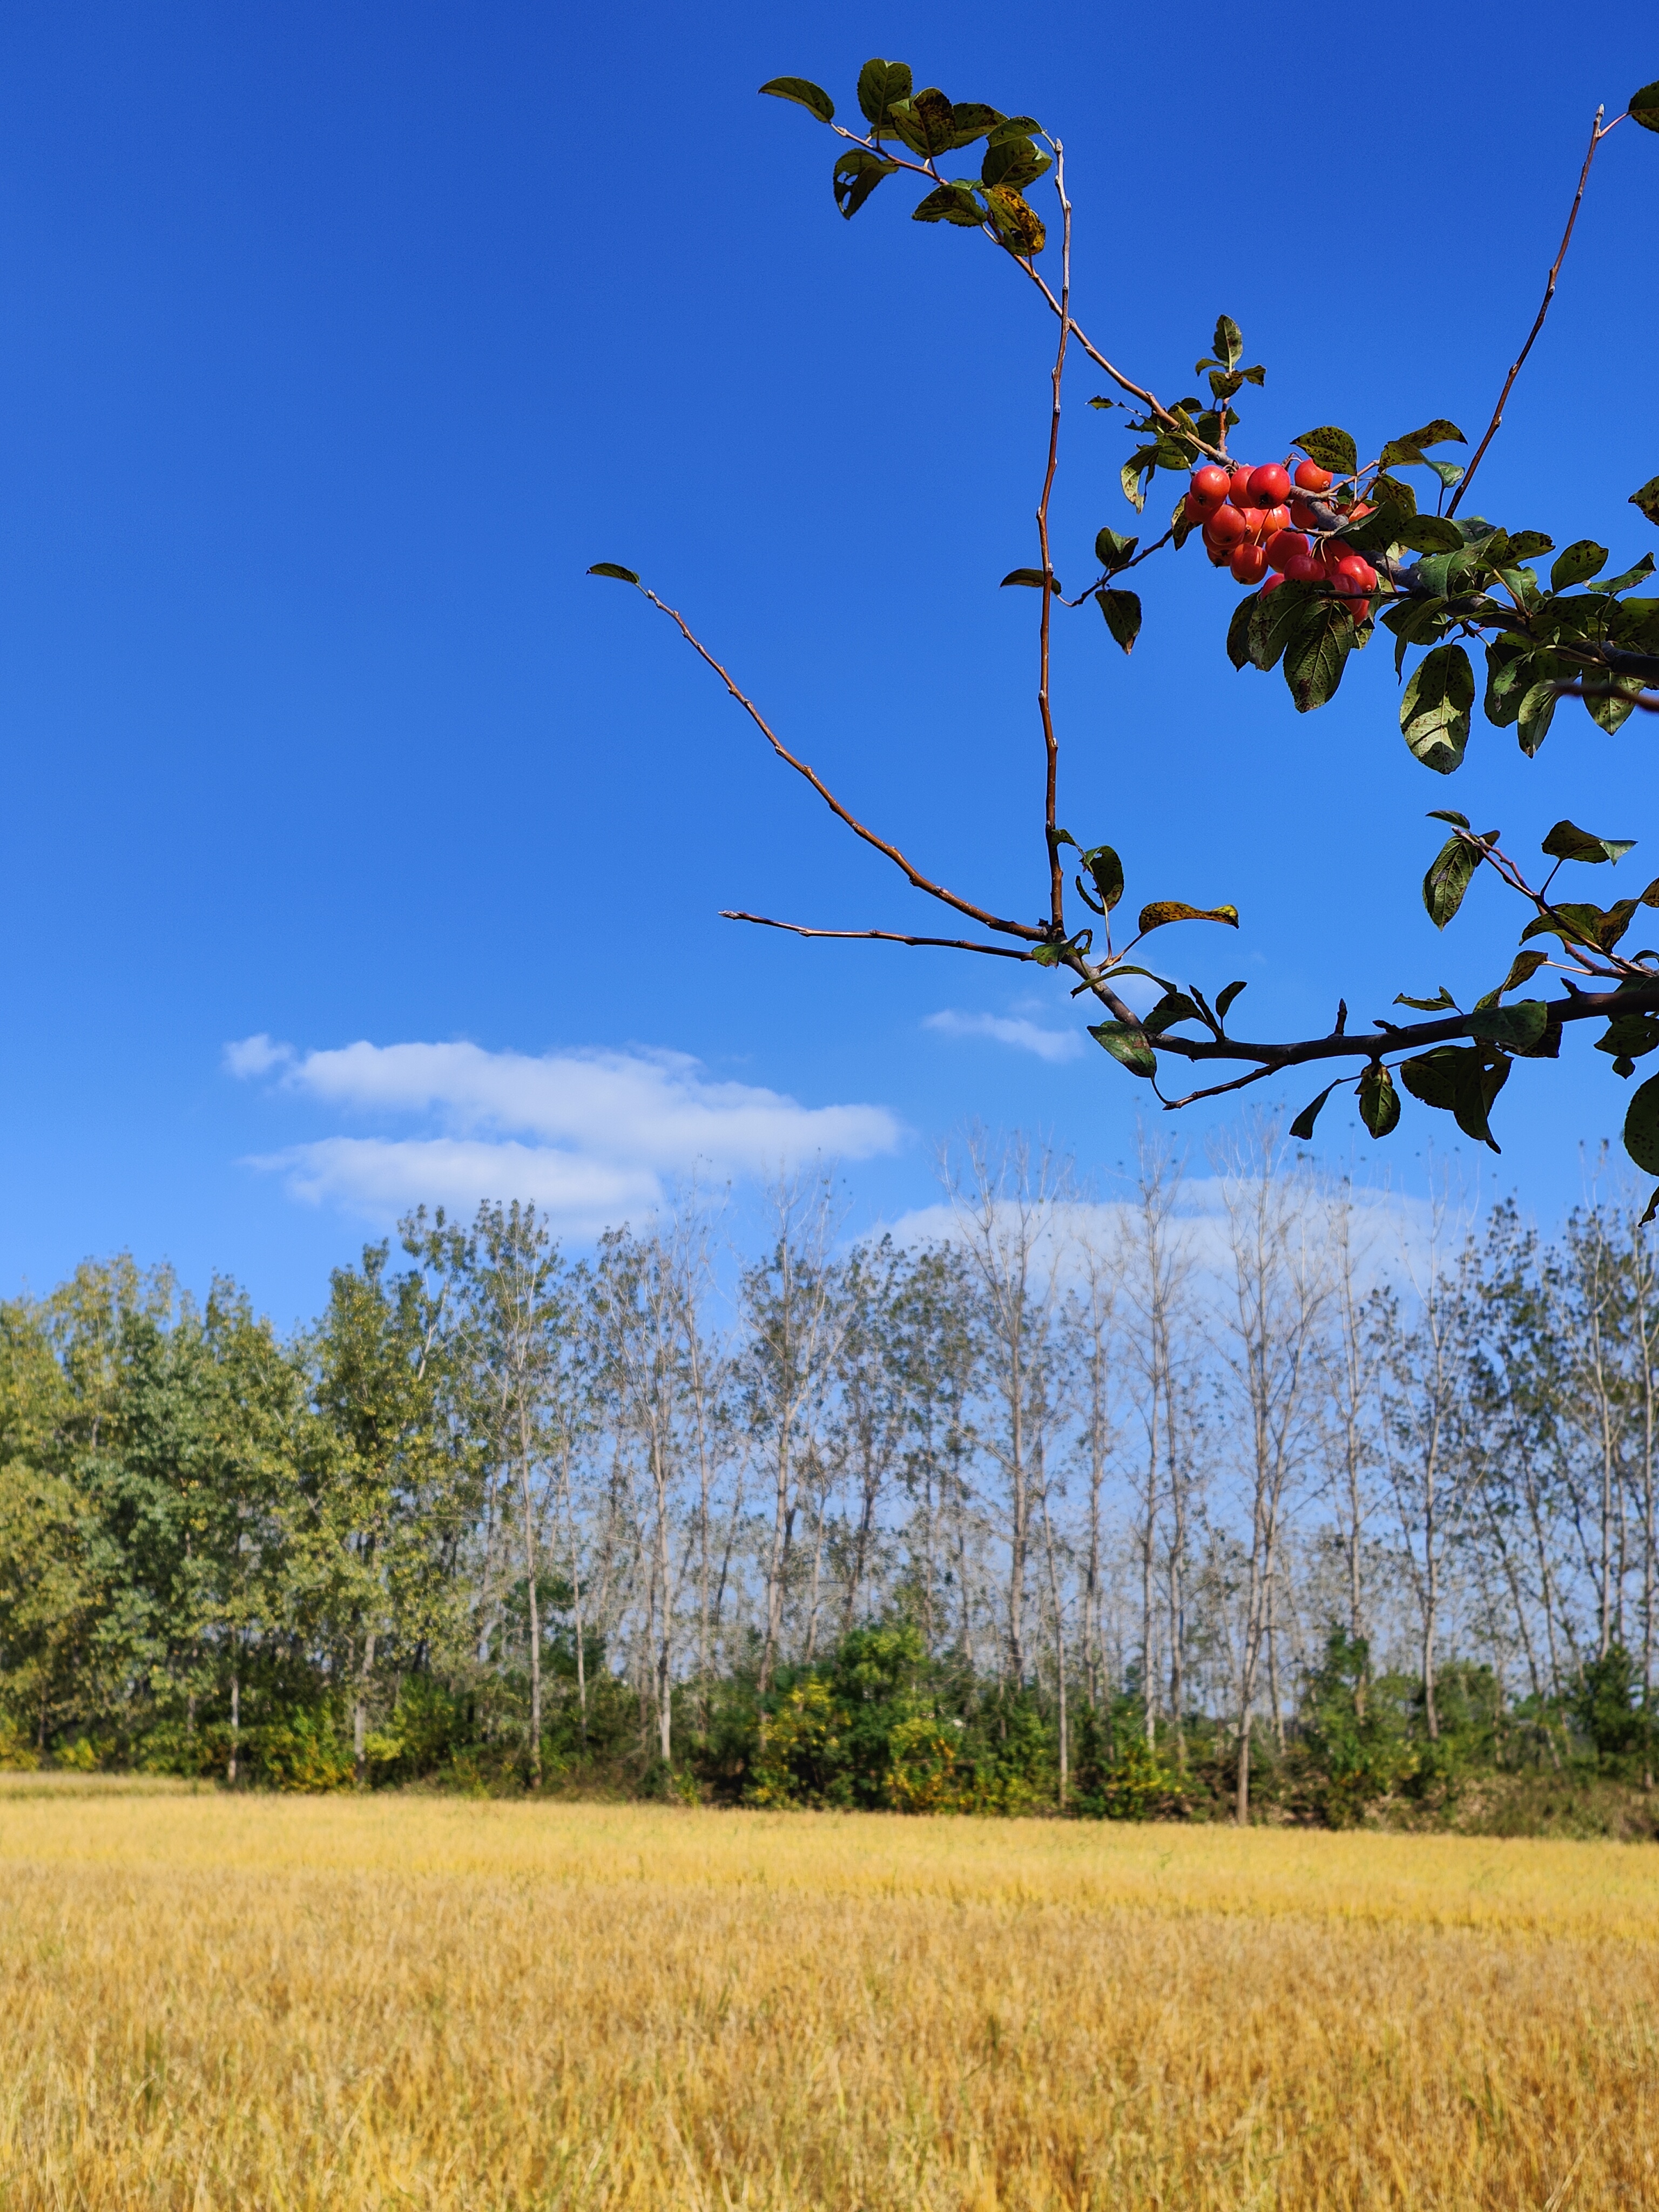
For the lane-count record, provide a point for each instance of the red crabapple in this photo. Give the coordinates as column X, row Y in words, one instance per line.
column 1209, row 486
column 1270, row 485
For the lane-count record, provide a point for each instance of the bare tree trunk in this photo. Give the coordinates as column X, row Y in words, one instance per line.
column 1060, row 1647
column 530, row 1571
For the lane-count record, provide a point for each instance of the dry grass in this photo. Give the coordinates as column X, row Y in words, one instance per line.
column 256, row 2002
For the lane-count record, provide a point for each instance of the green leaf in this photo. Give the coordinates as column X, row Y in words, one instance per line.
column 1648, row 499
column 804, row 93
column 1527, row 544
column 1275, row 619
column 1303, row 1126
column 1128, row 968
column 1017, row 225
column 1430, row 533
column 1317, row 655
column 927, row 124
column 1174, row 1006
column 1448, row 814
column 1104, row 866
column 1112, row 550
column 1228, row 343
column 1127, row 1042
column 1613, row 585
column 1224, row 998
column 1434, row 713
column 1576, row 924
column 1534, row 714
column 613, row 569
column 1440, row 432
column 1645, row 106
column 1167, row 910
column 1462, row 1080
column 1450, row 873
column 881, row 83
column 1238, row 630
column 1033, row 577
column 1517, row 1028
column 856, row 176
column 1630, row 1036
column 1414, row 623
column 1522, row 969
column 1122, row 613
column 973, row 120
column 1642, row 1126
column 1013, row 162
column 1398, row 497
column 1511, row 668
column 1567, row 841
column 1583, row 559
column 1331, row 448
column 1440, row 1002
column 1611, row 706
column 1015, row 126
column 1447, row 471
column 1379, row 1102
column 951, row 203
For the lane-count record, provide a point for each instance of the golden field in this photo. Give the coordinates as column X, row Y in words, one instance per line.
column 250, row 2001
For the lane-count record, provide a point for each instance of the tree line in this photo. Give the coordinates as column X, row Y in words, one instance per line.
column 1246, row 1488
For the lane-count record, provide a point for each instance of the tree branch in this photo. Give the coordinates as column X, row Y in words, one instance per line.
column 920, row 882
column 886, row 936
column 1597, row 134
column 1056, row 874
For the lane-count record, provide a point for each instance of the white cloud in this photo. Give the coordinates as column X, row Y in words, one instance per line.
column 256, row 1056
column 591, row 1136
column 1009, row 1029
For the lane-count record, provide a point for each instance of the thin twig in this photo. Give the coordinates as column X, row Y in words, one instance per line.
column 1056, row 874
column 1216, row 1089
column 1597, row 134
column 1179, row 428
column 920, row 882
column 886, row 936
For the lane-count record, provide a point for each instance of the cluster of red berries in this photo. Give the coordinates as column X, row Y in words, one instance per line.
column 1255, row 525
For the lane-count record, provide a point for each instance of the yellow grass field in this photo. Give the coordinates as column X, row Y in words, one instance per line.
column 215, row 2001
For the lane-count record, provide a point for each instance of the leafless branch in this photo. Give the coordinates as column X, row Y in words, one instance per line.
column 886, row 936
column 1056, row 874
column 920, row 882
column 1597, row 134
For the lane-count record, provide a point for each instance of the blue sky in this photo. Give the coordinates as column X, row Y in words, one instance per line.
column 338, row 341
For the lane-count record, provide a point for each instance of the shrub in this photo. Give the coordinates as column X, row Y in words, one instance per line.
column 924, row 1773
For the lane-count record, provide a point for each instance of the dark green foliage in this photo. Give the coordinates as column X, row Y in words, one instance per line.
column 1354, row 1730
column 1607, row 1706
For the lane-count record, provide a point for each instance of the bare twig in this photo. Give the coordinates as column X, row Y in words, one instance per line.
column 886, row 936
column 1597, row 134
column 1180, row 428
column 921, row 883
column 1056, row 874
